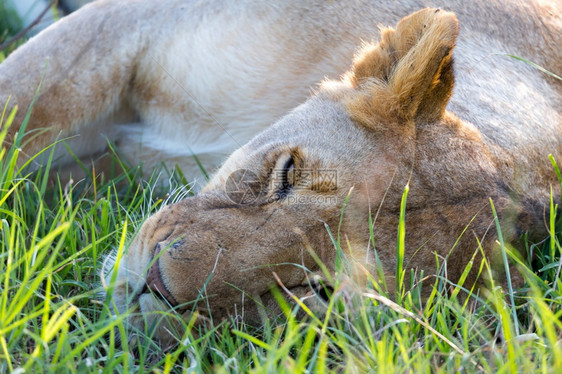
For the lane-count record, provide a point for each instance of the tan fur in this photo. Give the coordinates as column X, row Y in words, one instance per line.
column 458, row 133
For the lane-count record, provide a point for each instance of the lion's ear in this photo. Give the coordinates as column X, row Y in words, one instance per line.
column 408, row 75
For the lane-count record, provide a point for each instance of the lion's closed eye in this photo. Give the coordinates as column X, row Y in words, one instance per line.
column 288, row 177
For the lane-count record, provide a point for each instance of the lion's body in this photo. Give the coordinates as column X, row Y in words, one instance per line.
column 210, row 76
column 164, row 80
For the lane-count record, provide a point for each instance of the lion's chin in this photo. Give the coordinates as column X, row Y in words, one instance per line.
column 153, row 319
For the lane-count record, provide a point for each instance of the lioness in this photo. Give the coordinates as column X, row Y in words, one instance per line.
column 202, row 76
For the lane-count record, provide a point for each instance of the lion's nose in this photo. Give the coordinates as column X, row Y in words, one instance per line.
column 155, row 282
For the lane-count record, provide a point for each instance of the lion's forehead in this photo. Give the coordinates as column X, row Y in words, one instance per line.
column 320, row 129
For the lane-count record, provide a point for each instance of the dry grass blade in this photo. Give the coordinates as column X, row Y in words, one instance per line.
column 397, row 308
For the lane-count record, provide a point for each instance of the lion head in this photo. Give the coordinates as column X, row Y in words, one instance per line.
column 323, row 172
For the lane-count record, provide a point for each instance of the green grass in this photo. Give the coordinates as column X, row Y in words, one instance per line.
column 10, row 25
column 53, row 319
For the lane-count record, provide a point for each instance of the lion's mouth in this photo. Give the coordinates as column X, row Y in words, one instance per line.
column 155, row 283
